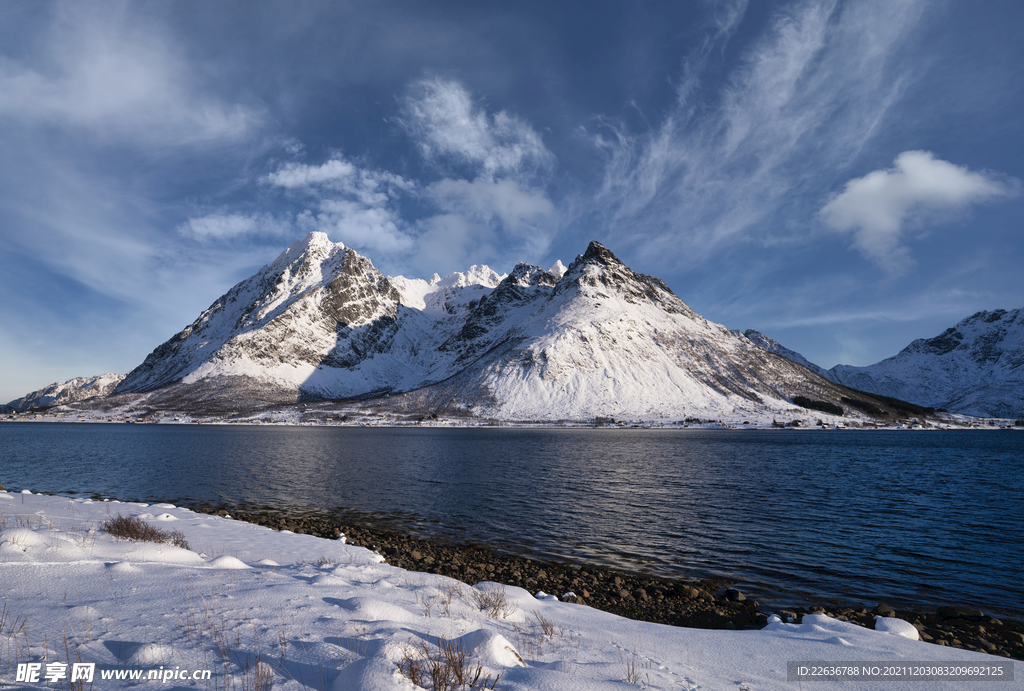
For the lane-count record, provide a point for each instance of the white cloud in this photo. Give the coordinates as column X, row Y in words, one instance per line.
column 99, row 71
column 442, row 118
column 507, row 158
column 878, row 207
column 523, row 213
column 340, row 176
column 802, row 103
column 295, row 175
column 353, row 204
column 223, row 226
column 366, row 228
column 363, row 207
column 451, row 242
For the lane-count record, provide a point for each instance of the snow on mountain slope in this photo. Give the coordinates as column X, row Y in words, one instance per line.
column 77, row 389
column 319, row 304
column 975, row 368
column 773, row 346
column 592, row 339
column 603, row 340
column 321, row 322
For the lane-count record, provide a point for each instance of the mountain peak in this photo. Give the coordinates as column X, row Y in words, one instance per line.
column 315, row 243
column 598, row 253
column 323, row 323
column 316, row 238
column 478, row 274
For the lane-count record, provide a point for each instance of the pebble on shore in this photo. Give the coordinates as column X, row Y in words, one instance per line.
column 706, row 604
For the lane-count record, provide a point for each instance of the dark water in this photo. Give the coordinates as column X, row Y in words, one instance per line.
column 917, row 518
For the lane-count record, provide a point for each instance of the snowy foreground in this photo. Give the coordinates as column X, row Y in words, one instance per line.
column 255, row 606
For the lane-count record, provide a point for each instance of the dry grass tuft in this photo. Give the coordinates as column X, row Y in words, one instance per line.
column 635, row 669
column 493, row 601
column 137, row 530
column 449, row 668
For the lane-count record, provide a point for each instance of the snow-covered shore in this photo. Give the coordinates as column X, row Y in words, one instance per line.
column 247, row 601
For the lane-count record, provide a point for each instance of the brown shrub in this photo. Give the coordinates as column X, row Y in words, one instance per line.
column 136, row 529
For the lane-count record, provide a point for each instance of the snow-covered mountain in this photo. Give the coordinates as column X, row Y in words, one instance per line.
column 771, row 345
column 61, row 393
column 975, row 367
column 593, row 339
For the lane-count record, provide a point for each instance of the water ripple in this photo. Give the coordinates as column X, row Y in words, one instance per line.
column 914, row 517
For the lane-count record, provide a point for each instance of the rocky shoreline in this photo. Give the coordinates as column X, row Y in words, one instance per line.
column 707, row 604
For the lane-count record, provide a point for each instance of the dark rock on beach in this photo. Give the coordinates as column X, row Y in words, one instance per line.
column 707, row 604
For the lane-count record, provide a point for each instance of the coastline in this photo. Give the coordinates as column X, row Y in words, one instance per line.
column 247, row 604
column 703, row 604
column 710, row 603
column 338, row 414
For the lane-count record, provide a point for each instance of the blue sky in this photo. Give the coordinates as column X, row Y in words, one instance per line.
column 843, row 176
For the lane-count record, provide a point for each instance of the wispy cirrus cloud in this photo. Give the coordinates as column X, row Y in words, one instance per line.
column 102, row 87
column 878, row 207
column 122, row 80
column 801, row 103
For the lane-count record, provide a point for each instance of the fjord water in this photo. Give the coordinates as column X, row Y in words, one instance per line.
column 915, row 518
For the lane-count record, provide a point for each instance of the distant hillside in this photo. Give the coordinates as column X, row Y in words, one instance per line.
column 70, row 391
column 974, row 368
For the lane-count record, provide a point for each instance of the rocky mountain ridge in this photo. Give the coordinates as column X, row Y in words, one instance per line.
column 974, row 368
column 592, row 339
